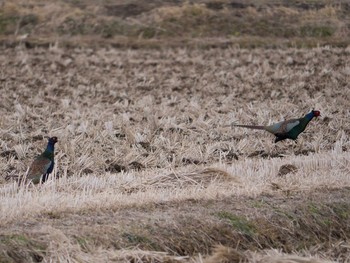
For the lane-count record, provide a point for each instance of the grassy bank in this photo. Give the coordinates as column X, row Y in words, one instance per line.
column 159, row 23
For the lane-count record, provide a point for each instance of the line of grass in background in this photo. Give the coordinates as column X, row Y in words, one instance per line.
column 243, row 23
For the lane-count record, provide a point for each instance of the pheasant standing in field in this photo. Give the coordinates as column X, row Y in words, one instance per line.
column 43, row 164
column 289, row 129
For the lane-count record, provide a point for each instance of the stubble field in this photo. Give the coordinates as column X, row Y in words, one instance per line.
column 149, row 168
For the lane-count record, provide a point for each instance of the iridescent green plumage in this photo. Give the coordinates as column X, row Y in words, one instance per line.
column 43, row 164
column 289, row 129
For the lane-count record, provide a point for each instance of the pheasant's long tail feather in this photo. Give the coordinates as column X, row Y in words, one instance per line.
column 255, row 127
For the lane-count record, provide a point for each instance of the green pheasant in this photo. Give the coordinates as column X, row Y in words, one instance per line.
column 43, row 164
column 289, row 129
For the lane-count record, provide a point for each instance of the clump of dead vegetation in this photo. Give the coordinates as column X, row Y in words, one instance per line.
column 222, row 254
column 202, row 178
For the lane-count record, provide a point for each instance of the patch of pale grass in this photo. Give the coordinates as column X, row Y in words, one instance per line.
column 226, row 254
column 178, row 12
column 249, row 177
column 329, row 11
column 62, row 249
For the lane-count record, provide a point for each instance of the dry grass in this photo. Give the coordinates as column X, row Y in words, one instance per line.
column 156, row 23
column 222, row 254
column 140, row 129
column 154, row 186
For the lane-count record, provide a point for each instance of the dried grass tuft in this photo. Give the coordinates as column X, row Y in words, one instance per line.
column 223, row 254
column 286, row 169
column 202, row 178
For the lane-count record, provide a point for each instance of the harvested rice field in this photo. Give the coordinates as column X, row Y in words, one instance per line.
column 149, row 166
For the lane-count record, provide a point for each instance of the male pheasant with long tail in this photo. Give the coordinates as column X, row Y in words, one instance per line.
column 43, row 164
column 288, row 129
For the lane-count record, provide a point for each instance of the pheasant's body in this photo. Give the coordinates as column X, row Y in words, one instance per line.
column 289, row 129
column 43, row 164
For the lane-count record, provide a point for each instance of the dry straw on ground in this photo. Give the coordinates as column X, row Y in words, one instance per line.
column 142, row 128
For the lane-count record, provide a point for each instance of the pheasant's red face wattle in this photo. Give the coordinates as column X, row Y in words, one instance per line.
column 316, row 113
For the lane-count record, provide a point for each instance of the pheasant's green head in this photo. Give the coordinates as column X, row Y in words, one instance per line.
column 51, row 144
column 53, row 140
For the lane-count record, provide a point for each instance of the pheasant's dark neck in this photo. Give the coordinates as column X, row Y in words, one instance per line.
column 50, row 147
column 309, row 116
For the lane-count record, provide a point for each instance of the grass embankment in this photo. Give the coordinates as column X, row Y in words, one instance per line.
column 155, row 24
column 178, row 231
